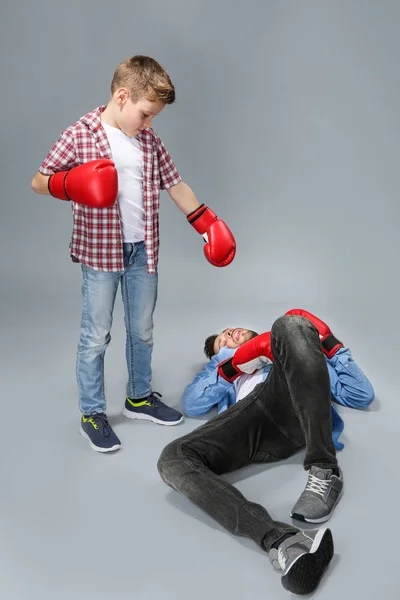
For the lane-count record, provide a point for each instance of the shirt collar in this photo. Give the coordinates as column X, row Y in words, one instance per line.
column 92, row 119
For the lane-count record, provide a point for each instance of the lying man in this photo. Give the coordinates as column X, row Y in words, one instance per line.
column 285, row 380
column 349, row 385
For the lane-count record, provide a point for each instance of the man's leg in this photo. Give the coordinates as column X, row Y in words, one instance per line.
column 239, row 436
column 297, row 397
column 98, row 295
column 192, row 465
column 139, row 295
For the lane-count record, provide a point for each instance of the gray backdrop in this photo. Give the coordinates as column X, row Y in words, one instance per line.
column 287, row 124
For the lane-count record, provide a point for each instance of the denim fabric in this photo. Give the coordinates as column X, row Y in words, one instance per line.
column 139, row 295
column 289, row 410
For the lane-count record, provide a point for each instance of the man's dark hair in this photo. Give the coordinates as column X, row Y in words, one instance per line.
column 209, row 343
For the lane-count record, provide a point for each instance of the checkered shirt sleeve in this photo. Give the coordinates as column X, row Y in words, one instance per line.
column 168, row 172
column 62, row 156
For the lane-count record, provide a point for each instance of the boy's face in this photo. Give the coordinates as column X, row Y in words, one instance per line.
column 133, row 117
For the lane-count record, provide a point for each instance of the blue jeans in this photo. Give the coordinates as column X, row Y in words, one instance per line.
column 139, row 295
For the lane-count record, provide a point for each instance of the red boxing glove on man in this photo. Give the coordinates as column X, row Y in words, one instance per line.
column 330, row 344
column 220, row 248
column 253, row 355
column 94, row 184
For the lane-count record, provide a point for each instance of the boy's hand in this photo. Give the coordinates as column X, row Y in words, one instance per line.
column 220, row 248
column 94, row 184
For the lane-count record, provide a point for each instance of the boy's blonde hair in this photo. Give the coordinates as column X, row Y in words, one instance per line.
column 144, row 77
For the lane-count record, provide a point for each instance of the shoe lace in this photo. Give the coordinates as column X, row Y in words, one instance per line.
column 316, row 485
column 154, row 399
column 281, row 558
column 102, row 421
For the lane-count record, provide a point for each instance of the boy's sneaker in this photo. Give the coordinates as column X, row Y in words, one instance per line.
column 98, row 431
column 321, row 494
column 303, row 558
column 152, row 409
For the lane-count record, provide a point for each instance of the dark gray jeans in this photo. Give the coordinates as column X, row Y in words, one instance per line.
column 290, row 410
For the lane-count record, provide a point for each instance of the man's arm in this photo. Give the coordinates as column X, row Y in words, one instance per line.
column 349, row 385
column 207, row 389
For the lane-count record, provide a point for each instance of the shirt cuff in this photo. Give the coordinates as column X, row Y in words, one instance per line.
column 46, row 171
column 171, row 183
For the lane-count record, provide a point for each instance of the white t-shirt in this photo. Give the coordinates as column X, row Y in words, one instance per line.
column 128, row 159
column 246, row 383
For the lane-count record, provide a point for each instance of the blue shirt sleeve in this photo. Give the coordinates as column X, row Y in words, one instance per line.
column 207, row 389
column 349, row 385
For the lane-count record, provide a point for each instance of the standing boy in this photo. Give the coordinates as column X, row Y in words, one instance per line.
column 112, row 166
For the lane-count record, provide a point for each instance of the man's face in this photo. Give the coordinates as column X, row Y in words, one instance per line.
column 232, row 338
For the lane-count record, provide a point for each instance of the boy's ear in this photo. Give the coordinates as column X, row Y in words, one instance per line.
column 121, row 95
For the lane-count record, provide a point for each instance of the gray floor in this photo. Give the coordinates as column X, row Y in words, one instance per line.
column 287, row 125
column 76, row 524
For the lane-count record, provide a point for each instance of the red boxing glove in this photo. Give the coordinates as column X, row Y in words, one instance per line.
column 253, row 355
column 94, row 184
column 330, row 344
column 220, row 248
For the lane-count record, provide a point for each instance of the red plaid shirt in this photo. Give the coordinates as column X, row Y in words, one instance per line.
column 96, row 237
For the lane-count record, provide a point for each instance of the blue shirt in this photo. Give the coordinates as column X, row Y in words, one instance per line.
column 349, row 387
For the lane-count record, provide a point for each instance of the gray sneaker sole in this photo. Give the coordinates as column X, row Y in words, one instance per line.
column 305, row 574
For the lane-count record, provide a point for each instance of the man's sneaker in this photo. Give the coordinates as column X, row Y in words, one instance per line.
column 303, row 558
column 152, row 409
column 98, row 431
column 321, row 494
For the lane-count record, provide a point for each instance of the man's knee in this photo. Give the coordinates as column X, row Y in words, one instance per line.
column 287, row 324
column 295, row 335
column 170, row 463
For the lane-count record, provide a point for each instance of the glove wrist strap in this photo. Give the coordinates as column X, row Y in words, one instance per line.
column 228, row 371
column 57, row 187
column 201, row 218
column 331, row 345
